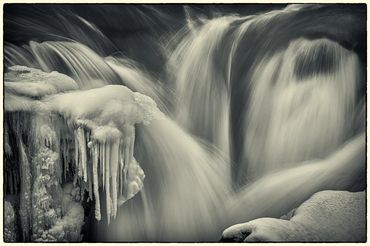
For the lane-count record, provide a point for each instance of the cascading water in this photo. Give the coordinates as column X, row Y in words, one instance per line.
column 292, row 94
column 201, row 82
column 182, row 195
column 76, row 60
column 241, row 106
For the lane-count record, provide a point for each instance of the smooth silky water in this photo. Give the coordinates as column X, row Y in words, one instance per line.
column 294, row 115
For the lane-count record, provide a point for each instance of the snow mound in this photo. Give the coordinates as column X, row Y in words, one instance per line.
column 31, row 82
column 112, row 105
column 23, row 86
column 326, row 217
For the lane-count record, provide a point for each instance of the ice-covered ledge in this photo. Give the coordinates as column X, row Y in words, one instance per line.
column 104, row 133
column 84, row 137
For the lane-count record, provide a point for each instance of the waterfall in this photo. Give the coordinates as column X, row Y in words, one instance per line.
column 201, row 83
column 269, row 104
column 292, row 94
column 183, row 193
column 78, row 61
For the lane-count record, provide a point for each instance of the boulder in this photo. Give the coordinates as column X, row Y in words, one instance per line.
column 328, row 216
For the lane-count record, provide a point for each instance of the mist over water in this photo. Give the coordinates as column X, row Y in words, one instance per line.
column 261, row 110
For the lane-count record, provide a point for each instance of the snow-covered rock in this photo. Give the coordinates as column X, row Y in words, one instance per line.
column 84, row 135
column 32, row 82
column 328, row 216
column 24, row 85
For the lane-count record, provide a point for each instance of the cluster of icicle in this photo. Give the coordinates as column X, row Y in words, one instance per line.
column 99, row 132
column 107, row 164
column 44, row 213
column 103, row 129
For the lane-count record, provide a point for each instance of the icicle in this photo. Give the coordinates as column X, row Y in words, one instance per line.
column 121, row 166
column 84, row 154
column 87, row 136
column 7, row 148
column 132, row 144
column 113, row 171
column 75, row 178
column 67, row 153
column 102, row 154
column 82, row 151
column 65, row 163
column 107, row 179
column 96, row 182
column 99, row 166
column 25, row 193
column 125, row 169
column 121, row 179
column 90, row 180
column 89, row 166
column 121, row 155
column 77, row 163
column 127, row 151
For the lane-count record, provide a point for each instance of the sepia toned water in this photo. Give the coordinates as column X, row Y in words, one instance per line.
column 260, row 114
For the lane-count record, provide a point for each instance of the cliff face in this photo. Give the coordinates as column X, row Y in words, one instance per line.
column 63, row 147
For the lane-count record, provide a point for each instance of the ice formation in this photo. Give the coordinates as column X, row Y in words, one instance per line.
column 327, row 216
column 67, row 135
column 9, row 223
column 104, row 134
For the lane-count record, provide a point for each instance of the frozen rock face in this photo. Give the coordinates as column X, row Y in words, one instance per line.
column 57, row 134
column 9, row 223
column 328, row 216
